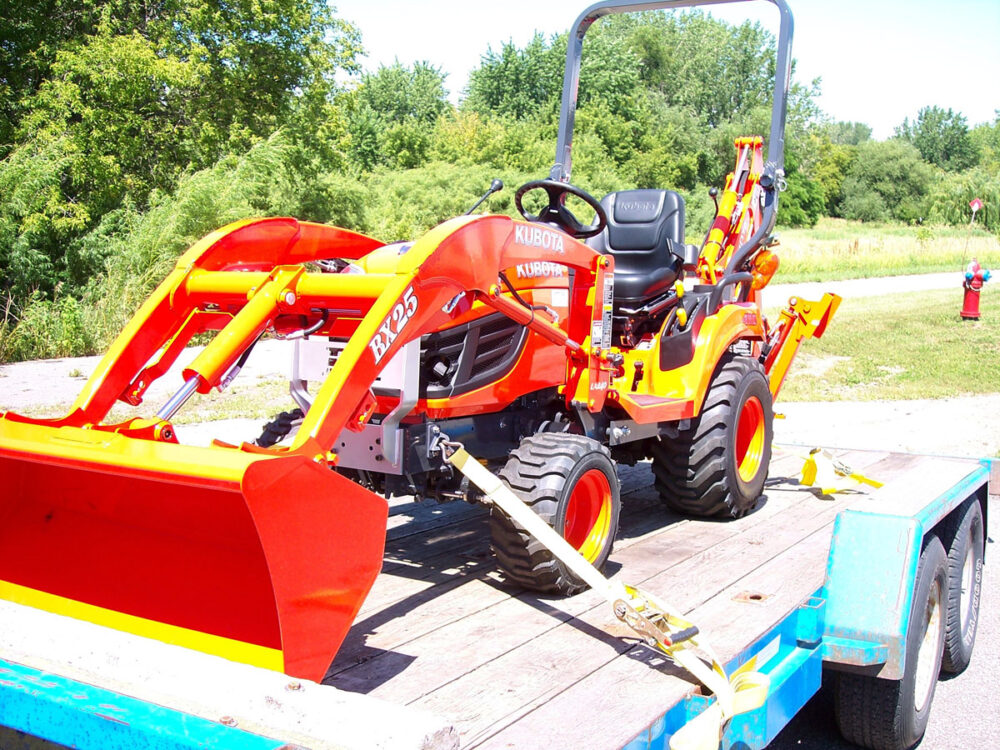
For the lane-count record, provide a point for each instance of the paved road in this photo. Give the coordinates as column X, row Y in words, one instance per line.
column 776, row 294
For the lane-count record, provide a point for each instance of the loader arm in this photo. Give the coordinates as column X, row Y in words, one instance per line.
column 262, row 555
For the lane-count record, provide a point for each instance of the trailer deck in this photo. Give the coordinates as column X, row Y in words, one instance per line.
column 509, row 668
column 445, row 653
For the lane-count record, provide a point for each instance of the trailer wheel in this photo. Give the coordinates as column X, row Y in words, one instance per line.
column 965, row 578
column 719, row 465
column 892, row 714
column 570, row 481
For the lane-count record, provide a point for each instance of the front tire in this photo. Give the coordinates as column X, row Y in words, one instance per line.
column 571, row 483
column 719, row 465
column 892, row 714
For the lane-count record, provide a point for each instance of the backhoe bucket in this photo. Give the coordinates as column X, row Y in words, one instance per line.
column 263, row 560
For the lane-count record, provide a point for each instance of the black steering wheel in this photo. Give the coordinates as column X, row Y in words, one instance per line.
column 557, row 213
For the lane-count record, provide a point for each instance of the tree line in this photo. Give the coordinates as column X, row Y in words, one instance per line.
column 130, row 128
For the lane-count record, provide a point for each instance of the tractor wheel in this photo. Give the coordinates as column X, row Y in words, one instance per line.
column 278, row 428
column 571, row 483
column 892, row 714
column 718, row 466
column 964, row 529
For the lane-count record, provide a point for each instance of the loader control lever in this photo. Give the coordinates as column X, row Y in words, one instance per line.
column 555, row 212
column 495, row 187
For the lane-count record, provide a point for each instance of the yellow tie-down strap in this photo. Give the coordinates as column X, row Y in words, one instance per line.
column 660, row 626
column 830, row 475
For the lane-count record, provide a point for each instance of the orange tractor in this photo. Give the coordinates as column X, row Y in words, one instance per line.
column 551, row 349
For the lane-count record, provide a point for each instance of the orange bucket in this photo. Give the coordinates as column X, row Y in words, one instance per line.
column 260, row 559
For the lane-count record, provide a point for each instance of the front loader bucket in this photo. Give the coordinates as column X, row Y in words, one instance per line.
column 264, row 560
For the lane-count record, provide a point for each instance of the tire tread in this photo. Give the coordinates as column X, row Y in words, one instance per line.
column 537, row 472
column 690, row 470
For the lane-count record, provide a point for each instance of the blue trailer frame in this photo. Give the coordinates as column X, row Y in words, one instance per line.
column 75, row 714
column 843, row 624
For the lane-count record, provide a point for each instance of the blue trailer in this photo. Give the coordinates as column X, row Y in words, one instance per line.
column 878, row 588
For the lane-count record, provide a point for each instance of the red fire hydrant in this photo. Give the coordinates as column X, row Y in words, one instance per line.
column 973, row 284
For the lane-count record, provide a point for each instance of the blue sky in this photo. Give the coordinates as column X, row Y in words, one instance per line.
column 879, row 60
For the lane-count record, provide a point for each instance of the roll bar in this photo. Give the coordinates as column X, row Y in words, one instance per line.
column 571, row 78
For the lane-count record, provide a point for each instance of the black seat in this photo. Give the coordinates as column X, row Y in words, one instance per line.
column 645, row 234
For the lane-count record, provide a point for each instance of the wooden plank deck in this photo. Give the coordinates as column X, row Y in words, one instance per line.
column 442, row 630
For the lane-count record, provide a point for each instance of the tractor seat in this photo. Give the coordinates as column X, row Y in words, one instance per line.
column 645, row 234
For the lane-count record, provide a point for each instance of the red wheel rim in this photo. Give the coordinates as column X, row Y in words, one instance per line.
column 588, row 514
column 750, row 439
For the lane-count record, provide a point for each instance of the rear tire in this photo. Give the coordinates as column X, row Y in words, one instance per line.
column 965, row 580
column 719, row 465
column 892, row 714
column 571, row 483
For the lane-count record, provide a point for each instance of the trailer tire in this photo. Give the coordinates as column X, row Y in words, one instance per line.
column 719, row 465
column 964, row 529
column 892, row 714
column 570, row 481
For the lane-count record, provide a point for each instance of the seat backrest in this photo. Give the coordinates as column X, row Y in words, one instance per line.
column 645, row 234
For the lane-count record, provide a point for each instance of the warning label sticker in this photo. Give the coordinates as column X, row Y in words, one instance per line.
column 609, row 293
column 597, row 334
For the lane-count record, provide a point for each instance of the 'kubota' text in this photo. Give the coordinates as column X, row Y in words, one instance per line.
column 538, row 237
column 539, row 268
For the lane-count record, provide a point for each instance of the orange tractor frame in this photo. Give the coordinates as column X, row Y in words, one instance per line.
column 511, row 336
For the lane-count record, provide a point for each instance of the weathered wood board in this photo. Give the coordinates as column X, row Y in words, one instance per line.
column 442, row 631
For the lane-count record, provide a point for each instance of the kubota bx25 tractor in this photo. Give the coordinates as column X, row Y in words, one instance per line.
column 549, row 348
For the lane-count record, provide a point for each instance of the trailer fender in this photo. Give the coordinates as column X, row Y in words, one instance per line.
column 869, row 590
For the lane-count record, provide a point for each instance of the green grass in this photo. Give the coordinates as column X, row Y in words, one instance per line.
column 839, row 249
column 901, row 346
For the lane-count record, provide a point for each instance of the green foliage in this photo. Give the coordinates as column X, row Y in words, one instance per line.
column 31, row 34
column 395, row 110
column 832, row 161
column 252, row 57
column 116, row 106
column 48, row 328
column 701, row 63
column 111, row 103
column 952, row 193
column 861, row 202
column 845, row 133
column 130, row 130
column 397, row 93
column 402, row 205
column 887, row 179
column 516, row 82
column 802, row 203
column 34, row 220
column 465, row 137
column 941, row 136
column 139, row 249
column 986, row 140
